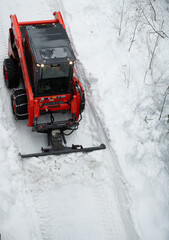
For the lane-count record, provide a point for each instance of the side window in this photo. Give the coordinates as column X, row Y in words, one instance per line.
column 29, row 61
column 12, row 40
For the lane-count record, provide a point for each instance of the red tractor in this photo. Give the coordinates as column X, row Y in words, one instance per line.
column 40, row 54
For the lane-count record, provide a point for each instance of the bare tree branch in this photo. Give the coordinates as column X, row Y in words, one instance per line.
column 158, row 32
column 161, row 75
column 134, row 32
column 155, row 16
column 121, row 18
column 126, row 73
column 164, row 101
column 155, row 46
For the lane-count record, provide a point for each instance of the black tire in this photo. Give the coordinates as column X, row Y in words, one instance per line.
column 82, row 104
column 11, row 73
column 19, row 104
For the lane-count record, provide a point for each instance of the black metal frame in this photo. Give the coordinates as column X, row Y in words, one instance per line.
column 55, row 146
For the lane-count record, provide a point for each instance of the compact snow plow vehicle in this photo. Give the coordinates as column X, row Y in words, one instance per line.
column 40, row 54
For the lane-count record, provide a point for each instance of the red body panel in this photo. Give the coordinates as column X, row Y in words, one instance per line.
column 46, row 103
column 58, row 17
column 54, row 103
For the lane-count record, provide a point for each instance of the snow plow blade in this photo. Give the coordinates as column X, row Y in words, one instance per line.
column 65, row 150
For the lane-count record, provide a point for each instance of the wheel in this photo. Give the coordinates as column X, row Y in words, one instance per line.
column 19, row 104
column 11, row 73
column 82, row 104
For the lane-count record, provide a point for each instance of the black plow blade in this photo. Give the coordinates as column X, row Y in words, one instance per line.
column 64, row 150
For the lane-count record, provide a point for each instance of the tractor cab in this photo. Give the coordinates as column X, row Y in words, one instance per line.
column 48, row 50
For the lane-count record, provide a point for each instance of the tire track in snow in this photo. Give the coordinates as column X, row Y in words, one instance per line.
column 75, row 227
column 109, row 207
column 45, row 212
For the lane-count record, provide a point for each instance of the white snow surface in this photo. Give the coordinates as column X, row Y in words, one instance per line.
column 119, row 193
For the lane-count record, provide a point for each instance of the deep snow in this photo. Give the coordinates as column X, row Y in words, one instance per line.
column 103, row 195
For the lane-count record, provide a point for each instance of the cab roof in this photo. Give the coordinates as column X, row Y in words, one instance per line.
column 49, row 44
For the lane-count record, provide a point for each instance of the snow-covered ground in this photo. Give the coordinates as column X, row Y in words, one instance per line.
column 122, row 192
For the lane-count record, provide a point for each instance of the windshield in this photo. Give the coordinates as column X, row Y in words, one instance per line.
column 54, row 79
